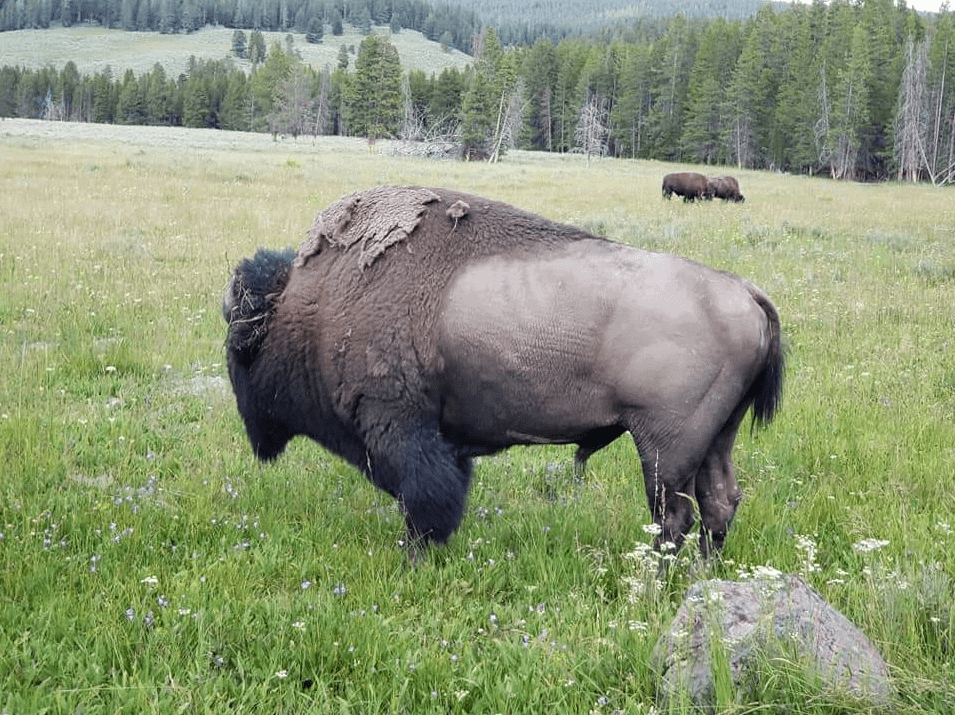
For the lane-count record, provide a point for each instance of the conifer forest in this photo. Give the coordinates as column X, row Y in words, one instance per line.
column 853, row 89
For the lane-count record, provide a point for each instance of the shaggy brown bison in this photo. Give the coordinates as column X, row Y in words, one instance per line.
column 417, row 328
column 688, row 184
column 726, row 188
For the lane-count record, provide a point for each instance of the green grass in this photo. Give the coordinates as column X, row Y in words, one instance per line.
column 92, row 49
column 149, row 564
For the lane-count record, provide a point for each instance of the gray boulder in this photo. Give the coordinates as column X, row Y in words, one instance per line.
column 759, row 621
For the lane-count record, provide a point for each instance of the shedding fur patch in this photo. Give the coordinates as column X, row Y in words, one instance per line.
column 370, row 221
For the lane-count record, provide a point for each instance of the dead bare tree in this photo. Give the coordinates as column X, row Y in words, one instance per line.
column 509, row 115
column 592, row 127
column 911, row 123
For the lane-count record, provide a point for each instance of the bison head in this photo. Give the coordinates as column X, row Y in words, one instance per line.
column 247, row 306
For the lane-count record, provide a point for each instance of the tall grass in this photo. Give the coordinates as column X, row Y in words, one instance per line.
column 149, row 564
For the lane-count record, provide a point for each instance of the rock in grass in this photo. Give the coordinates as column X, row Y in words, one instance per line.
column 730, row 637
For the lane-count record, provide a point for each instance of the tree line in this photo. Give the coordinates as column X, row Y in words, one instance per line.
column 452, row 25
column 857, row 90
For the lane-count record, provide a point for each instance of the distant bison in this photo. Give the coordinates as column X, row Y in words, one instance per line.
column 726, row 188
column 418, row 328
column 688, row 184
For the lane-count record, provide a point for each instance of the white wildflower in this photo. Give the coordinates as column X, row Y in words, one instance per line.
column 867, row 545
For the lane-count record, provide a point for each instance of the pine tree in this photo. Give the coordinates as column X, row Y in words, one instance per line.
column 488, row 100
column 850, row 109
column 540, row 79
column 238, row 44
column 363, row 21
column 257, row 50
column 316, row 31
column 715, row 60
column 374, row 105
column 629, row 113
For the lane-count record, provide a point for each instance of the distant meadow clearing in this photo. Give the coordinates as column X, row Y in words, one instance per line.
column 148, row 563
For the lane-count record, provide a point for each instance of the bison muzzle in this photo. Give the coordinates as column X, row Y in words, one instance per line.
column 418, row 328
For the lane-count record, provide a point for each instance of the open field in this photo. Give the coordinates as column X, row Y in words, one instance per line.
column 149, row 564
column 95, row 48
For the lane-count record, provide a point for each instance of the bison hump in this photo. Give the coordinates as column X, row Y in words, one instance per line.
column 367, row 222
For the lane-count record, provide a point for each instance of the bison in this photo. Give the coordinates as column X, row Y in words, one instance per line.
column 726, row 188
column 688, row 184
column 418, row 328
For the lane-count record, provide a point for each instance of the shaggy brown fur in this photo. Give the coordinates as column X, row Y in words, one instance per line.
column 418, row 328
column 726, row 188
column 688, row 184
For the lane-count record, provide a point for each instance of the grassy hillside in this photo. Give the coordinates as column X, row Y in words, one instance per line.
column 148, row 564
column 93, row 48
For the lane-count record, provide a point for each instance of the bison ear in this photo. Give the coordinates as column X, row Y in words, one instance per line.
column 457, row 210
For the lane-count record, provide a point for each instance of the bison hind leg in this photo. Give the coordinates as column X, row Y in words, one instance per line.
column 717, row 492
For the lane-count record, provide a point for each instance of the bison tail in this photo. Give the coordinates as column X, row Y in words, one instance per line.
column 767, row 392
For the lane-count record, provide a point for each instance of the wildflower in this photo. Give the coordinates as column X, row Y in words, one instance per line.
column 653, row 529
column 130, row 614
column 150, row 580
column 306, row 584
column 339, row 589
column 162, row 601
column 282, row 674
column 299, row 625
column 867, row 545
column 148, row 619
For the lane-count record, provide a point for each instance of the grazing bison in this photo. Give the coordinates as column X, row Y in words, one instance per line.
column 726, row 188
column 688, row 184
column 417, row 328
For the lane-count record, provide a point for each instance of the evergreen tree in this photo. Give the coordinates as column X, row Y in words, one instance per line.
column 257, row 50
column 850, row 110
column 791, row 141
column 374, row 104
column 239, row 44
column 715, row 60
column 629, row 114
column 197, row 107
column 362, row 21
column 444, row 107
column 672, row 58
column 487, row 99
column 234, row 112
column 103, row 105
column 160, row 94
column 338, row 28
column 540, row 80
column 131, row 104
column 316, row 31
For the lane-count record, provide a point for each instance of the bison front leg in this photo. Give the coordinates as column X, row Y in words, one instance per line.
column 669, row 498
column 428, row 477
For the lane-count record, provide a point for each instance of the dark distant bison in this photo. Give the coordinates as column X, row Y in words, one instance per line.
column 418, row 328
column 726, row 188
column 688, row 184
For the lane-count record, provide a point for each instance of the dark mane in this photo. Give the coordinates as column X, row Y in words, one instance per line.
column 251, row 297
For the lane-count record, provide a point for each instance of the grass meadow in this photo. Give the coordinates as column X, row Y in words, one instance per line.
column 93, row 49
column 148, row 563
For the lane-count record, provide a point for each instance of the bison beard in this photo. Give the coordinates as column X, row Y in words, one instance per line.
column 418, row 328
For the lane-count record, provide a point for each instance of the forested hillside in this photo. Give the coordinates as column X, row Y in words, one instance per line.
column 857, row 90
column 454, row 26
column 524, row 21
